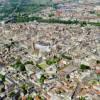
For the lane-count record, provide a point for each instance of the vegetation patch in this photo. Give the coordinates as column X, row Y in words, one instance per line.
column 84, row 67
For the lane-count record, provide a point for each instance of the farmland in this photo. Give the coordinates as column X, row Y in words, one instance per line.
column 20, row 6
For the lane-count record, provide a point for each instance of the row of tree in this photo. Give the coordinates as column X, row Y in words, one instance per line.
column 25, row 18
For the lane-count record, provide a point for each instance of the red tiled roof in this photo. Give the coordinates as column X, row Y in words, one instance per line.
column 97, row 71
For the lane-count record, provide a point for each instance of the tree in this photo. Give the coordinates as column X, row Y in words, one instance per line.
column 42, row 78
column 84, row 67
column 24, row 88
column 19, row 65
column 29, row 98
column 82, row 98
column 11, row 94
column 2, row 77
